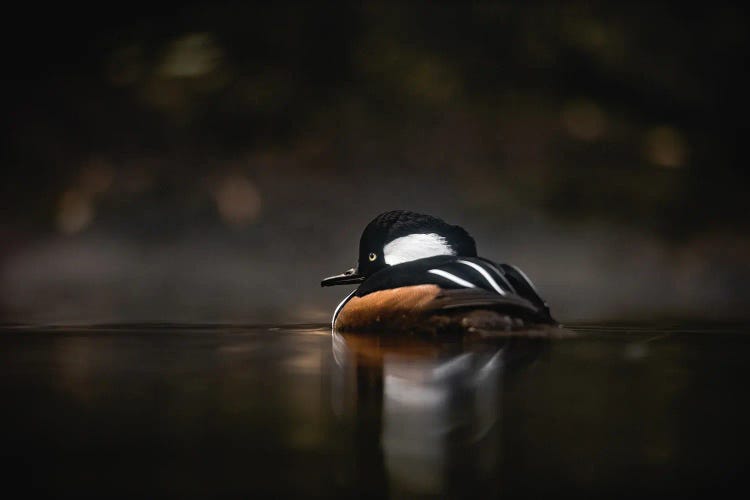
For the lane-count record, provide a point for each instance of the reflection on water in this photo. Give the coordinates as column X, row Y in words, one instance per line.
column 216, row 410
column 437, row 404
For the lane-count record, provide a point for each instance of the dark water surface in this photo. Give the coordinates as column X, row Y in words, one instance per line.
column 205, row 411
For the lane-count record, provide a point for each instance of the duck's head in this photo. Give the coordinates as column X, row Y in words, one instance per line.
column 399, row 236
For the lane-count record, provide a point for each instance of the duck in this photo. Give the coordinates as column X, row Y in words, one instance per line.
column 417, row 273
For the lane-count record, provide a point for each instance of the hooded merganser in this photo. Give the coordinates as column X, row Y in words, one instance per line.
column 418, row 273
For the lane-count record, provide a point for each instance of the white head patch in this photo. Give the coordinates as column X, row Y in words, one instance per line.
column 415, row 246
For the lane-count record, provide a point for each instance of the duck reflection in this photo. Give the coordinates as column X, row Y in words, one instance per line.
column 426, row 412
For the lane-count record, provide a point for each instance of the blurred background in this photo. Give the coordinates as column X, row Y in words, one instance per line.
column 212, row 163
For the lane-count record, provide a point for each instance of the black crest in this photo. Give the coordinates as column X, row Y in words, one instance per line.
column 388, row 226
column 391, row 225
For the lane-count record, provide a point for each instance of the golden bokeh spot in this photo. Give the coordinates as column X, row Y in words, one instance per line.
column 664, row 146
column 237, row 199
column 191, row 56
column 75, row 212
column 584, row 120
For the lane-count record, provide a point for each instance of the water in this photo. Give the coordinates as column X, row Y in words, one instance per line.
column 211, row 410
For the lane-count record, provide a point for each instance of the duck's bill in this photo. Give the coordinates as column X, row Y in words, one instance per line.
column 347, row 278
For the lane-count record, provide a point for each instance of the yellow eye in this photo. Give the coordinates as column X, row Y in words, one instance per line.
column 372, row 257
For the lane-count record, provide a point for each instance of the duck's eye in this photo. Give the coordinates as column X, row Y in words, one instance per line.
column 372, row 257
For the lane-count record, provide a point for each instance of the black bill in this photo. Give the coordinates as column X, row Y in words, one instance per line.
column 348, row 278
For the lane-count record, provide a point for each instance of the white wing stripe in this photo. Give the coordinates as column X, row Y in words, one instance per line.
column 485, row 274
column 501, row 276
column 451, row 277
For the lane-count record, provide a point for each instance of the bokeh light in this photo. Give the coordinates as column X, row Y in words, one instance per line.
column 664, row 146
column 584, row 120
column 76, row 211
column 237, row 200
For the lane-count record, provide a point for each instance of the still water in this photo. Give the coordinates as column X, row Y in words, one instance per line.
column 213, row 410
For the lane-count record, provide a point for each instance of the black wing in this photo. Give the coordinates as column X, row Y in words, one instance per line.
column 483, row 283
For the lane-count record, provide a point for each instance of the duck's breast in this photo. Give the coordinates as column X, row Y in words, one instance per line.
column 387, row 308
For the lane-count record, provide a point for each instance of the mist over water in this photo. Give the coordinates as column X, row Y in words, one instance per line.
column 585, row 273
